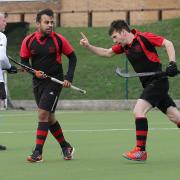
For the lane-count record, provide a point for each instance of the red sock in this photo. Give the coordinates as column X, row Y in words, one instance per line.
column 141, row 132
column 41, row 134
column 57, row 132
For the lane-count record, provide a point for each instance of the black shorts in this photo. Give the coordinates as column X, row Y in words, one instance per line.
column 2, row 91
column 156, row 93
column 47, row 95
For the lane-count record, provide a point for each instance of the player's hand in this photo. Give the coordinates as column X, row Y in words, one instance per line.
column 66, row 84
column 40, row 74
column 172, row 69
column 12, row 70
column 84, row 41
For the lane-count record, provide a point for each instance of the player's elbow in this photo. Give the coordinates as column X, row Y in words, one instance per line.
column 108, row 53
column 167, row 43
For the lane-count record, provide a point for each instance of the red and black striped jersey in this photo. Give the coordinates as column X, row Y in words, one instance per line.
column 141, row 53
column 45, row 52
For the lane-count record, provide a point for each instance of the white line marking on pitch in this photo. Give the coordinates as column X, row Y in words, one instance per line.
column 89, row 130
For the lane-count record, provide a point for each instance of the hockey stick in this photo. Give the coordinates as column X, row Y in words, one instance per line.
column 122, row 73
column 31, row 70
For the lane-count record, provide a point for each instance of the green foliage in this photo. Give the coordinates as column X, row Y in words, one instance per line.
column 97, row 74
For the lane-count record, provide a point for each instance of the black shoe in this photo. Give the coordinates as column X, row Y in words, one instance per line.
column 2, row 148
column 68, row 152
column 35, row 157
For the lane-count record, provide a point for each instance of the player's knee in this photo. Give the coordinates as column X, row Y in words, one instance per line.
column 51, row 121
column 43, row 116
column 138, row 113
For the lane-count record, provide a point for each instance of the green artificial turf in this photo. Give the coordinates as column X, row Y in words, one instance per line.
column 99, row 137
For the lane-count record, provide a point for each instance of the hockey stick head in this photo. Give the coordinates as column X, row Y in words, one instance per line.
column 82, row 91
column 121, row 73
column 124, row 74
column 27, row 68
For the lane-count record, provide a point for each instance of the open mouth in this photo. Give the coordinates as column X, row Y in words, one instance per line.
column 48, row 30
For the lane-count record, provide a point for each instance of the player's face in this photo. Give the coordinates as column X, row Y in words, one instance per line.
column 2, row 24
column 119, row 37
column 45, row 26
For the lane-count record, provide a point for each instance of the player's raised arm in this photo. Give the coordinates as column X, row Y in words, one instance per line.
column 84, row 41
column 94, row 49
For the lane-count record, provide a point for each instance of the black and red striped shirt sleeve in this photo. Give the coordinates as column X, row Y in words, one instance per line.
column 117, row 49
column 154, row 39
column 25, row 51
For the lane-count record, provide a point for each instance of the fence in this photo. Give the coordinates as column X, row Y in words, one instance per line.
column 90, row 14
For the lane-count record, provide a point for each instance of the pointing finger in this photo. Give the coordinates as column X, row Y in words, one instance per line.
column 83, row 36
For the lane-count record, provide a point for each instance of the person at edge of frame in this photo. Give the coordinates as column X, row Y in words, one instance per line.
column 4, row 63
column 45, row 47
column 139, row 47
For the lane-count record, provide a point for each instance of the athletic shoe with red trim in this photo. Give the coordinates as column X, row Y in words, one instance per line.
column 136, row 154
column 68, row 152
column 35, row 157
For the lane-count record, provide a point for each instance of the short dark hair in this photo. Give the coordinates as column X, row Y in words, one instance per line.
column 47, row 12
column 118, row 25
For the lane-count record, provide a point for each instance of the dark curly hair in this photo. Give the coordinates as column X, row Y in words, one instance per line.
column 47, row 12
column 118, row 25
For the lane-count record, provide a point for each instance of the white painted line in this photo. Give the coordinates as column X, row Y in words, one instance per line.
column 90, row 130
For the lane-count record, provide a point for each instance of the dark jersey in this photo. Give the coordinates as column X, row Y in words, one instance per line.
column 142, row 54
column 45, row 52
